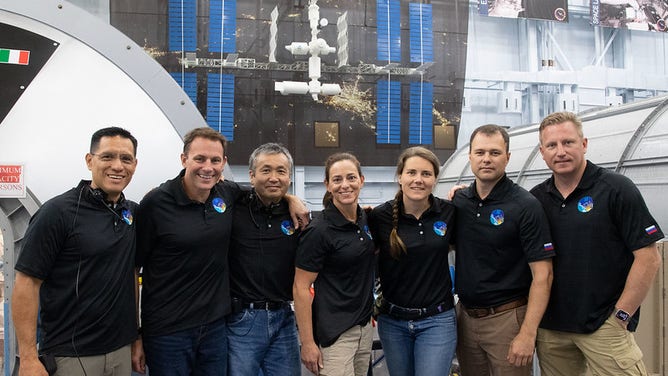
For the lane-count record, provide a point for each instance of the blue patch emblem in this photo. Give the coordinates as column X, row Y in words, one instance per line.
column 497, row 218
column 440, row 228
column 127, row 216
column 287, row 227
column 219, row 205
column 586, row 204
column 368, row 233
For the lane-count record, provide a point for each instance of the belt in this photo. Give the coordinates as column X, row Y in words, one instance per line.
column 266, row 305
column 483, row 312
column 269, row 305
column 403, row 313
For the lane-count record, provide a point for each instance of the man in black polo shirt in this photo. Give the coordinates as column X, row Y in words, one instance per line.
column 77, row 266
column 183, row 234
column 504, row 261
column 261, row 330
column 184, row 229
column 607, row 258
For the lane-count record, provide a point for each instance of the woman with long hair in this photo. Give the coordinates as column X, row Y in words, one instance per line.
column 336, row 255
column 417, row 321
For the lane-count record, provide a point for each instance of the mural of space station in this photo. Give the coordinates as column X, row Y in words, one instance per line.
column 397, row 69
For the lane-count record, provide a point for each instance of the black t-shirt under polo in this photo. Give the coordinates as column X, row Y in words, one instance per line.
column 262, row 251
column 183, row 247
column 420, row 278
column 342, row 253
column 495, row 240
column 595, row 230
column 75, row 241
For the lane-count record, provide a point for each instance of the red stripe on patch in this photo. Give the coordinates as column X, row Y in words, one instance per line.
column 24, row 57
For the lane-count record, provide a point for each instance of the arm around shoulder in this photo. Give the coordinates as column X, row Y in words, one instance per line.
column 300, row 214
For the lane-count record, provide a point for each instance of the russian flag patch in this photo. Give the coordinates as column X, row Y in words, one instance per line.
column 548, row 247
column 651, row 229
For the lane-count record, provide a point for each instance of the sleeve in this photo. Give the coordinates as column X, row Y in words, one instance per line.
column 451, row 213
column 373, row 219
column 535, row 232
column 313, row 248
column 630, row 214
column 44, row 239
column 453, row 237
column 145, row 231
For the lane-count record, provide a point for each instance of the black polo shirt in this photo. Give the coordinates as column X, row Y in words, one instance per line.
column 595, row 229
column 262, row 251
column 342, row 253
column 183, row 247
column 495, row 240
column 76, row 241
column 420, row 278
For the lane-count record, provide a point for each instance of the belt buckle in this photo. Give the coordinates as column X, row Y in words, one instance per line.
column 257, row 305
column 484, row 312
column 479, row 313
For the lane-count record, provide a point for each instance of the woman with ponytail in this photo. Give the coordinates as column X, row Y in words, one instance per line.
column 336, row 255
column 416, row 324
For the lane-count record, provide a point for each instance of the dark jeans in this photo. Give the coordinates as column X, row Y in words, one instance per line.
column 200, row 351
column 263, row 340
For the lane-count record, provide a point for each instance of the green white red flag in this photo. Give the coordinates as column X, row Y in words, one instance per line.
column 8, row 56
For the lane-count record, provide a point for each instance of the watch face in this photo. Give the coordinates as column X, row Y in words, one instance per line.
column 624, row 316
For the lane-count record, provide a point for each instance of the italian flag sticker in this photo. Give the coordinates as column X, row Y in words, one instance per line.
column 19, row 57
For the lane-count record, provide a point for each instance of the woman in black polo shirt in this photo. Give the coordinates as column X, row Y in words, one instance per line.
column 416, row 324
column 336, row 255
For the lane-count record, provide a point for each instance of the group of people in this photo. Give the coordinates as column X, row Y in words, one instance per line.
column 204, row 267
column 560, row 270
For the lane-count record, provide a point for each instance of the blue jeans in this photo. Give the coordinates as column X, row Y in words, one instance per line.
column 419, row 347
column 200, row 351
column 264, row 340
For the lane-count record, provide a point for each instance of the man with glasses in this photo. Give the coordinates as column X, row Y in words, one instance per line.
column 77, row 266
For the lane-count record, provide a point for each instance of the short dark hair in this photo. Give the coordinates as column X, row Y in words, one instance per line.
column 269, row 148
column 111, row 132
column 203, row 132
column 490, row 130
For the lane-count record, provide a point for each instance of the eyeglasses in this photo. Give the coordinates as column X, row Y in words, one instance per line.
column 127, row 159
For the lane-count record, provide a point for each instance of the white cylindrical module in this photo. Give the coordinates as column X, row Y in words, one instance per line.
column 291, row 87
column 314, row 87
column 313, row 15
column 314, row 67
column 330, row 89
column 322, row 47
column 298, row 48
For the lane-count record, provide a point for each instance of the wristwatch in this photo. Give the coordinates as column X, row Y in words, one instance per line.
column 622, row 315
